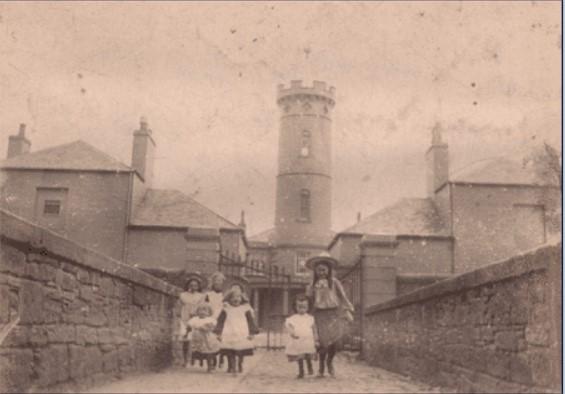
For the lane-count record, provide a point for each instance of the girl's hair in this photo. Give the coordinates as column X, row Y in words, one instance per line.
column 232, row 292
column 205, row 306
column 300, row 298
column 330, row 274
column 199, row 282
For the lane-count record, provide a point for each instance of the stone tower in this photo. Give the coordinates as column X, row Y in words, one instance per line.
column 304, row 183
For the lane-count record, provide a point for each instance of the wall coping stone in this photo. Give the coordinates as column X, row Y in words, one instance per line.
column 46, row 242
column 513, row 267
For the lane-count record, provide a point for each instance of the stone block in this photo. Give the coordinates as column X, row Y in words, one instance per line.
column 77, row 362
column 107, row 287
column 538, row 334
column 17, row 370
column 540, row 365
column 93, row 356
column 498, row 365
column 86, row 335
column 12, row 260
column 520, row 370
column 106, row 335
column 110, row 361
column 89, row 293
column 507, row 340
column 66, row 280
column 31, row 303
column 52, row 365
column 53, row 311
column 19, row 336
column 61, row 333
column 96, row 316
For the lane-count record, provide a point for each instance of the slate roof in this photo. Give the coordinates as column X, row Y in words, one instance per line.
column 77, row 156
column 172, row 208
column 409, row 216
column 501, row 171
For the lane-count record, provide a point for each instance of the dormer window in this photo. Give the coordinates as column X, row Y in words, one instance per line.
column 306, row 142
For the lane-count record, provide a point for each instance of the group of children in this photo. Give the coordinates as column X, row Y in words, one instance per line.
column 215, row 325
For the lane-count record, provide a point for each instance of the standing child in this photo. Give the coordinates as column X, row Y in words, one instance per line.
column 236, row 329
column 303, row 336
column 332, row 310
column 189, row 300
column 215, row 297
column 205, row 345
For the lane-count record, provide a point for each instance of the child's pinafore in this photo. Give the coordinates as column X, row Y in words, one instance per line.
column 303, row 327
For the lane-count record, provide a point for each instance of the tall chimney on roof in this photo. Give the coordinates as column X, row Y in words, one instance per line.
column 18, row 144
column 437, row 162
column 143, row 152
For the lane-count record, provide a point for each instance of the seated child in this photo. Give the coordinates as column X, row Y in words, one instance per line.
column 205, row 344
column 301, row 345
column 236, row 328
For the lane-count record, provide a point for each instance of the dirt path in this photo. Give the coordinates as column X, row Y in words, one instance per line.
column 268, row 372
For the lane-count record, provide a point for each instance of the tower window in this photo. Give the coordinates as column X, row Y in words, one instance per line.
column 305, row 205
column 306, row 142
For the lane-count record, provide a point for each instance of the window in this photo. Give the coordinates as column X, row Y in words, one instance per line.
column 305, row 205
column 52, row 207
column 300, row 266
column 306, row 139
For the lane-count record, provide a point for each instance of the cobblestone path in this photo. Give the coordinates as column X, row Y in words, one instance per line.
column 269, row 372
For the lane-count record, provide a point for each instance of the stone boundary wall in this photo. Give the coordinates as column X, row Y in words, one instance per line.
column 496, row 329
column 70, row 317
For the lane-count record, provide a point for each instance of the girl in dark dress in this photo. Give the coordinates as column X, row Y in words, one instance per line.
column 332, row 310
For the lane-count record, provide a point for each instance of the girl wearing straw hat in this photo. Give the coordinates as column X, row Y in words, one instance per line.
column 331, row 309
column 190, row 299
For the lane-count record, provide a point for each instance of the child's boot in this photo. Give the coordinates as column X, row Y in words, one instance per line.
column 331, row 368
column 300, row 370
column 240, row 364
column 322, row 364
column 309, row 366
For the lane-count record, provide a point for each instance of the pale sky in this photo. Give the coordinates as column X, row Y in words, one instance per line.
column 205, row 76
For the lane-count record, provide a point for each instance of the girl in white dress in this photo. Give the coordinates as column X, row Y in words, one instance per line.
column 236, row 329
column 303, row 340
column 189, row 300
column 205, row 344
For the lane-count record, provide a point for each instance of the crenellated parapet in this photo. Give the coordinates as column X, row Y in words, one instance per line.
column 318, row 91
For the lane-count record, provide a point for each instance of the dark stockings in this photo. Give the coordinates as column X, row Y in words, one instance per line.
column 331, row 354
column 327, row 355
column 185, row 347
column 300, row 369
column 211, row 363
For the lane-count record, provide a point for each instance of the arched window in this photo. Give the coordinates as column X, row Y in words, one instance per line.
column 305, row 204
column 306, row 142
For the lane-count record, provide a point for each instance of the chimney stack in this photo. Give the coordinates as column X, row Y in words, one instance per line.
column 437, row 162
column 18, row 144
column 242, row 220
column 143, row 152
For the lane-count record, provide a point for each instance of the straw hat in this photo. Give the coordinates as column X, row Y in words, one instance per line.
column 197, row 277
column 323, row 257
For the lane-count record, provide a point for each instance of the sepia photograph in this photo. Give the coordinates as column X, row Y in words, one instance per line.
column 281, row 196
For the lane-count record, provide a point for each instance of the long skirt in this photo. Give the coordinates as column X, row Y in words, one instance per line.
column 332, row 326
